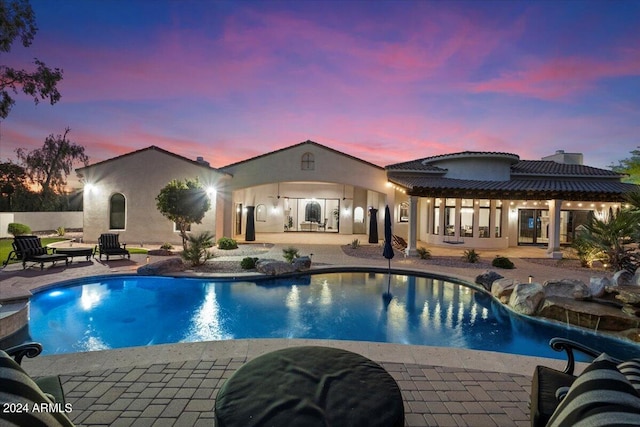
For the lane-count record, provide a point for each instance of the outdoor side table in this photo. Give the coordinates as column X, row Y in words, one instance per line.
column 310, row 386
column 73, row 252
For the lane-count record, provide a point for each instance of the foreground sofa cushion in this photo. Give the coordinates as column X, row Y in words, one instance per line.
column 23, row 402
column 631, row 370
column 600, row 396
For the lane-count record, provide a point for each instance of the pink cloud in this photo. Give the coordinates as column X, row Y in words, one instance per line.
column 561, row 78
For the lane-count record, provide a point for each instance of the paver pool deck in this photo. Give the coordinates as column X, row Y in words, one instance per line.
column 176, row 384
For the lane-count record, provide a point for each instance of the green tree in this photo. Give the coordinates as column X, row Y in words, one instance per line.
column 629, row 166
column 17, row 20
column 13, row 178
column 49, row 166
column 184, row 203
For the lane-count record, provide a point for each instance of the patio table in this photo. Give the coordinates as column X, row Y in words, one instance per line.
column 310, row 386
column 73, row 252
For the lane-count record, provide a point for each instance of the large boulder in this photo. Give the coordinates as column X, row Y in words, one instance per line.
column 526, row 298
column 166, row 266
column 302, row 263
column 568, row 288
column 503, row 288
column 598, row 286
column 635, row 280
column 274, row 268
column 621, row 278
column 487, row 278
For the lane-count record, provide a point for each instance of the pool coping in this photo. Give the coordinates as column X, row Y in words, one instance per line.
column 73, row 363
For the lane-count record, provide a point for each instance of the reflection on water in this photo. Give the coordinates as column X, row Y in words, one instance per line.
column 122, row 312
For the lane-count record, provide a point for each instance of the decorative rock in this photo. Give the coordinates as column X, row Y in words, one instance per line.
column 568, row 288
column 302, row 263
column 526, row 298
column 598, row 286
column 502, row 289
column 274, row 268
column 159, row 268
column 621, row 278
column 635, row 280
column 487, row 278
column 631, row 310
column 629, row 295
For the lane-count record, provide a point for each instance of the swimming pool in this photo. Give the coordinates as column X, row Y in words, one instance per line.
column 125, row 311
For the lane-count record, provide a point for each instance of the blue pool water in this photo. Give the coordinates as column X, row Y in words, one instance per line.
column 116, row 312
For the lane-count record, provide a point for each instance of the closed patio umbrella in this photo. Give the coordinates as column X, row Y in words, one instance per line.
column 387, row 252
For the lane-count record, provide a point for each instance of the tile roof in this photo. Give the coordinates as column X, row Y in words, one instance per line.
column 551, row 168
column 153, row 148
column 571, row 189
column 307, row 142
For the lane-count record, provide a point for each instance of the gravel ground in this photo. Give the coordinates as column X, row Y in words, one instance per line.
column 373, row 251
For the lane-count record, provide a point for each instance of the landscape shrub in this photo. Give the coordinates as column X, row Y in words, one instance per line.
column 60, row 231
column 423, row 253
column 227, row 243
column 502, row 262
column 355, row 244
column 166, row 246
column 470, row 255
column 17, row 229
column 248, row 263
column 290, row 253
column 196, row 252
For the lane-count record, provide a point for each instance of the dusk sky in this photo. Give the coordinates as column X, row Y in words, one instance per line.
column 383, row 81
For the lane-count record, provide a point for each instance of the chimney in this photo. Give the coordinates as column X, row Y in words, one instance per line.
column 567, row 158
column 202, row 161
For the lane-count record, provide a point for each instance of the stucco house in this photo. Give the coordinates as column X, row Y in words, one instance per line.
column 482, row 200
column 495, row 200
column 120, row 195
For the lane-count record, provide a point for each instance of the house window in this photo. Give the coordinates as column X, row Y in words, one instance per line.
column 308, row 162
column 484, row 214
column 177, row 230
column 261, row 213
column 312, row 212
column 450, row 217
column 436, row 216
column 358, row 215
column 403, row 212
column 498, row 221
column 466, row 218
column 117, row 212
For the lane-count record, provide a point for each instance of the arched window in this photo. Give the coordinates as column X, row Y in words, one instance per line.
column 312, row 212
column 358, row 214
column 308, row 162
column 261, row 213
column 117, row 212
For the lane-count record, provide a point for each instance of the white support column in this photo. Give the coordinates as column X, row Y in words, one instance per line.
column 553, row 251
column 412, row 242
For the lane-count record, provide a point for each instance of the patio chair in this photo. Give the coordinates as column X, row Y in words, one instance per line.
column 30, row 249
column 19, row 389
column 553, row 397
column 108, row 244
column 323, row 225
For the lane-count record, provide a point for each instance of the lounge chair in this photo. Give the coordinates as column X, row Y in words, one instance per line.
column 30, row 249
column 553, row 397
column 399, row 243
column 108, row 245
column 19, row 389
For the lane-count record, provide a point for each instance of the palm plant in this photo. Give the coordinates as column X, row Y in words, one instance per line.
column 609, row 236
column 196, row 249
